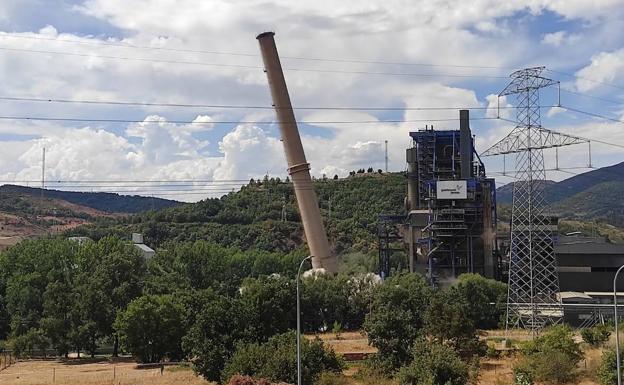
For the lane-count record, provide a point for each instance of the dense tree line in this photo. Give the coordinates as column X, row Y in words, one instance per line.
column 212, row 304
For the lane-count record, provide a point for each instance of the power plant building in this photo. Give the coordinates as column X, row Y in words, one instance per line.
column 449, row 226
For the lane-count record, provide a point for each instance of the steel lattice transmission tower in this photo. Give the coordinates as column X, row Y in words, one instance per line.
column 533, row 280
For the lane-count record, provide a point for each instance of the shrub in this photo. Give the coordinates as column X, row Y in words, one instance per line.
column 337, row 330
column 330, row 378
column 377, row 366
column 276, row 360
column 491, row 352
column 434, row 364
column 607, row 371
column 597, row 335
column 551, row 357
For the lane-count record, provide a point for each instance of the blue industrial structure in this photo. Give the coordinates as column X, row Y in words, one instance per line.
column 449, row 225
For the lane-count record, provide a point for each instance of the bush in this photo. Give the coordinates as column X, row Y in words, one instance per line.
column 434, row 364
column 337, row 330
column 552, row 357
column 607, row 371
column 246, row 380
column 597, row 335
column 276, row 360
column 330, row 378
column 491, row 352
column 377, row 366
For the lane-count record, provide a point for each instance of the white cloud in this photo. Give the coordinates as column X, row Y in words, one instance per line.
column 481, row 32
column 604, row 67
column 555, row 38
column 249, row 153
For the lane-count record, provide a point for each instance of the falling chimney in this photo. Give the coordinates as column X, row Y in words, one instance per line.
column 298, row 167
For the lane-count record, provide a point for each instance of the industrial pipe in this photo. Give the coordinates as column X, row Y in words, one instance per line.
column 298, row 167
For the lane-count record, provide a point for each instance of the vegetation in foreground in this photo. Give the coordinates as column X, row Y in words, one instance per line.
column 213, row 305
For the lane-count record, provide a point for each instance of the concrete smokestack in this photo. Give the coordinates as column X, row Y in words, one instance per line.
column 465, row 144
column 413, row 202
column 298, row 167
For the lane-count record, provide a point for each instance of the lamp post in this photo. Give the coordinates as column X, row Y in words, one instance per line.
column 615, row 319
column 299, row 323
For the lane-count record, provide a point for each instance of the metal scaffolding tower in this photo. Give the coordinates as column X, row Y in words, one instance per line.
column 533, row 281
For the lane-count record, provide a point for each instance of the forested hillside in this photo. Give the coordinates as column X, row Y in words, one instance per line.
column 107, row 202
column 264, row 215
column 594, row 195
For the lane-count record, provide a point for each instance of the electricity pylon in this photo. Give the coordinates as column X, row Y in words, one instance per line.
column 532, row 301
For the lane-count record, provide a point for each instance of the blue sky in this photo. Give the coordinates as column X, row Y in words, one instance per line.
column 576, row 40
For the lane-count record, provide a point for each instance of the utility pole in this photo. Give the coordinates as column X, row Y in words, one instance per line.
column 386, row 157
column 42, row 173
column 42, row 183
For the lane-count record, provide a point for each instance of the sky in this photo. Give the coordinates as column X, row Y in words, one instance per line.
column 395, row 54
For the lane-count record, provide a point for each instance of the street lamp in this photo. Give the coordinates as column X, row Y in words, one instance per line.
column 299, row 323
column 615, row 318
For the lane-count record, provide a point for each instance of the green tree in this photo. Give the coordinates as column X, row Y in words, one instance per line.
column 56, row 324
column 112, row 273
column 433, row 364
column 221, row 323
column 29, row 272
column 447, row 319
column 397, row 316
column 276, row 360
column 484, row 297
column 271, row 303
column 151, row 328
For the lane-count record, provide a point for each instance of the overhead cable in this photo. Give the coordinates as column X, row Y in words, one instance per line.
column 229, row 53
column 223, row 65
column 103, row 120
column 230, row 106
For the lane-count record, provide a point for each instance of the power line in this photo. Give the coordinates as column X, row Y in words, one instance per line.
column 222, row 65
column 212, row 52
column 131, row 180
column 230, row 106
column 586, row 78
column 581, row 137
column 593, row 114
column 592, row 96
column 562, row 169
column 96, row 120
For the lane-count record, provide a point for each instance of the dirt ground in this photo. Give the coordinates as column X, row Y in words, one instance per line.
column 493, row 371
column 39, row 372
column 349, row 342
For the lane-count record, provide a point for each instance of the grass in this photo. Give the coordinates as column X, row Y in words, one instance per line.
column 39, row 372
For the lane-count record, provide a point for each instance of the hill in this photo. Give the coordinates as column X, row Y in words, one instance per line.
column 24, row 216
column 264, row 215
column 107, row 202
column 594, row 195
